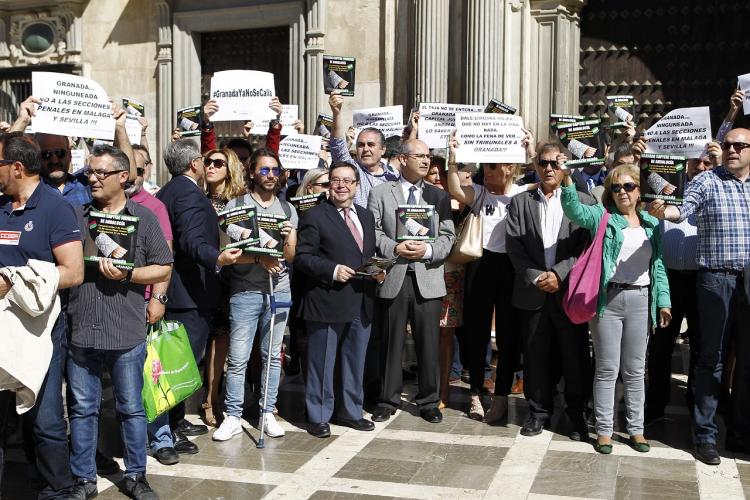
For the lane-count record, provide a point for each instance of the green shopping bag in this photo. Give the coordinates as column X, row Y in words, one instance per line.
column 170, row 374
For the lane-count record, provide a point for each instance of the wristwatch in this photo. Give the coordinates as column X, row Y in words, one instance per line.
column 128, row 276
column 160, row 297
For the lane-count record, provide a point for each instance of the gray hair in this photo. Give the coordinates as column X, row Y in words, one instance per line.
column 120, row 160
column 311, row 176
column 179, row 154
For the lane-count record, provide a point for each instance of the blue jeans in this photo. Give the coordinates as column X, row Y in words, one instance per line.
column 246, row 310
column 85, row 388
column 722, row 307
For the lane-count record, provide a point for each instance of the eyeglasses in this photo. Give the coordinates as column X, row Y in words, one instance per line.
column 321, row 184
column 424, row 156
column 7, row 162
column 345, row 182
column 60, row 153
column 210, row 162
column 548, row 163
column 101, row 174
column 629, row 187
column 738, row 146
column 266, row 170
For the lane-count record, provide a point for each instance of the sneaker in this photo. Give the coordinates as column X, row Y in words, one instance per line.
column 272, row 427
column 83, row 490
column 498, row 411
column 228, row 428
column 476, row 411
column 137, row 487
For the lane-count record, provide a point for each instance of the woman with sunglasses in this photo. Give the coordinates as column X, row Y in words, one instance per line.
column 225, row 179
column 315, row 181
column 633, row 296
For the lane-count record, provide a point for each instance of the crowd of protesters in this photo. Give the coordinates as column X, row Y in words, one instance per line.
column 348, row 327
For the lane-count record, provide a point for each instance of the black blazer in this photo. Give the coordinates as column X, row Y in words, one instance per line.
column 323, row 241
column 194, row 283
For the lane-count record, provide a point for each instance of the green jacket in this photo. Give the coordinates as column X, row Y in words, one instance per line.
column 589, row 217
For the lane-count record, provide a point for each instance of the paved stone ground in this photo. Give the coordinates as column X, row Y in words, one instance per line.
column 407, row 457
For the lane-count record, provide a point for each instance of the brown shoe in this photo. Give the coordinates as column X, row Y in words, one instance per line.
column 498, row 411
column 489, row 386
column 208, row 415
column 517, row 386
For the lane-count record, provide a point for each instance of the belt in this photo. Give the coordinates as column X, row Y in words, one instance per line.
column 626, row 286
column 733, row 272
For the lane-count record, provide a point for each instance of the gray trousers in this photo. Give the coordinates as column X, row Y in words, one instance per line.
column 620, row 339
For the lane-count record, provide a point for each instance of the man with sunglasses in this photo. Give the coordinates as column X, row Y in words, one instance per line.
column 720, row 199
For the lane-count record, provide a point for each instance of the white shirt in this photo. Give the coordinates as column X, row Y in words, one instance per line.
column 193, row 180
column 494, row 211
column 550, row 217
column 634, row 259
column 405, row 188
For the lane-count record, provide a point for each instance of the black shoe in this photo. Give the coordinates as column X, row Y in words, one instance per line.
column 532, row 426
column 188, row 429
column 432, row 415
column 580, row 432
column 167, row 456
column 83, row 490
column 382, row 413
column 138, row 488
column 358, row 425
column 321, row 430
column 707, row 453
column 105, row 466
column 183, row 445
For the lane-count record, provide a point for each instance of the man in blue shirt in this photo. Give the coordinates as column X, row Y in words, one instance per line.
column 37, row 223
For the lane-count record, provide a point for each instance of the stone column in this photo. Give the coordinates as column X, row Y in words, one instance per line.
column 552, row 78
column 314, row 48
column 484, row 50
column 431, row 50
column 165, row 115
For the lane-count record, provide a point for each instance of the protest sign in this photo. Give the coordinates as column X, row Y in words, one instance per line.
column 416, row 222
column 289, row 115
column 300, row 151
column 239, row 228
column 388, row 120
column 683, row 131
column 111, row 236
column 495, row 106
column 621, row 109
column 583, row 139
column 436, row 120
column 242, row 95
column 71, row 106
column 188, row 121
column 134, row 129
column 662, row 174
column 744, row 84
column 324, row 125
column 271, row 241
column 338, row 74
column 77, row 160
column 306, row 202
column 489, row 138
column 133, row 108
column 555, row 120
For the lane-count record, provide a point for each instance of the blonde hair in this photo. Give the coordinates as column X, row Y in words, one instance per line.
column 310, row 177
column 234, row 183
column 614, row 175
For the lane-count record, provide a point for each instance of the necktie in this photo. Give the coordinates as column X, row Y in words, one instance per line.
column 411, row 201
column 353, row 228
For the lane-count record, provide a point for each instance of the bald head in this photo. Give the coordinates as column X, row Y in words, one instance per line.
column 415, row 160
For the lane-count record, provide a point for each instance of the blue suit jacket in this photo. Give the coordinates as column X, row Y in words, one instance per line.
column 194, row 283
column 323, row 241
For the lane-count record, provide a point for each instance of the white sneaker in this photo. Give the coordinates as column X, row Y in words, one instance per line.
column 228, row 428
column 476, row 411
column 273, row 429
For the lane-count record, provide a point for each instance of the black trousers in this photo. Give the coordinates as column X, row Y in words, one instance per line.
column 424, row 317
column 372, row 383
column 197, row 324
column 661, row 344
column 488, row 287
column 553, row 345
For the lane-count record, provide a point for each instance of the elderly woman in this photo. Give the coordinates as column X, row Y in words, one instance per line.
column 633, row 295
column 225, row 179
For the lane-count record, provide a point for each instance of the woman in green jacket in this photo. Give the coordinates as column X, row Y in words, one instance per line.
column 632, row 272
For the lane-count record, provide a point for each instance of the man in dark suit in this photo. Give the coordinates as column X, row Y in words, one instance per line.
column 194, row 285
column 335, row 239
column 414, row 287
column 543, row 244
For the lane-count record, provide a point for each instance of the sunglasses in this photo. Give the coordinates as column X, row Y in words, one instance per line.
column 322, row 184
column 629, row 187
column 548, row 163
column 738, row 146
column 266, row 170
column 47, row 153
column 209, row 162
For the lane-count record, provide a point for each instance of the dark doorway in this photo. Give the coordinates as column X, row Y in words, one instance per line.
column 265, row 49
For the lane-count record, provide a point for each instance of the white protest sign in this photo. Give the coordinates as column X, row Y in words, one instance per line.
column 77, row 160
column 242, row 95
column 388, row 120
column 71, row 106
column 684, row 131
column 134, row 129
column 300, row 151
column 437, row 120
column 489, row 138
column 289, row 115
column 744, row 83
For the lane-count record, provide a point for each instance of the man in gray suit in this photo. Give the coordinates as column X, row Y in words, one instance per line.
column 543, row 244
column 414, row 287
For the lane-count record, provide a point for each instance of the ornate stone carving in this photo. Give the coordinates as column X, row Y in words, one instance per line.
column 64, row 46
